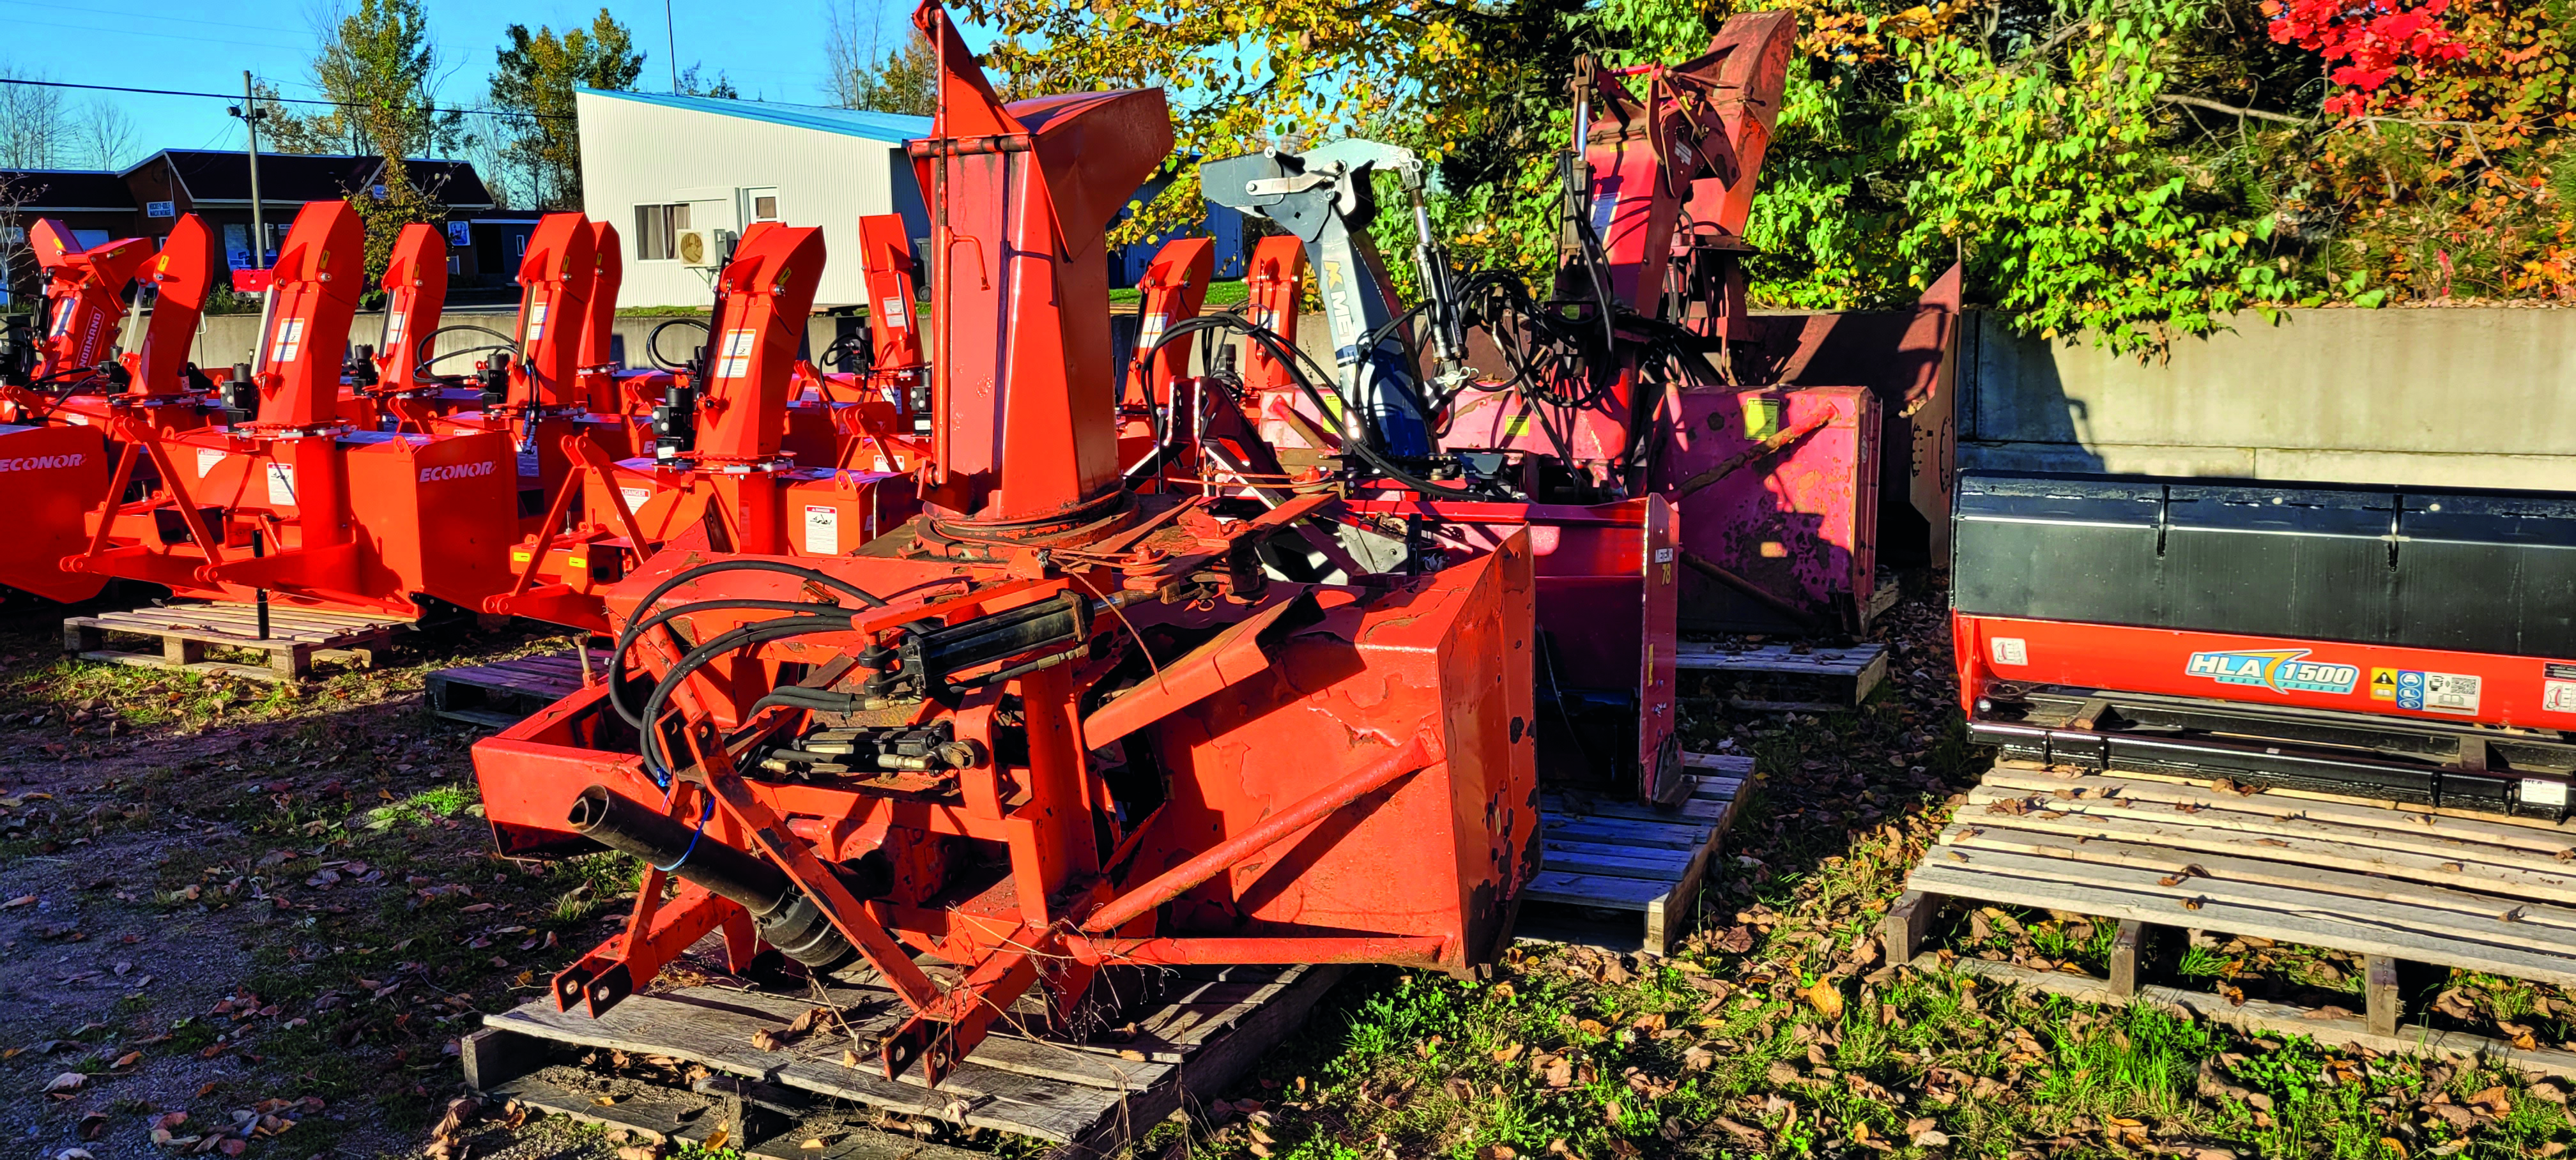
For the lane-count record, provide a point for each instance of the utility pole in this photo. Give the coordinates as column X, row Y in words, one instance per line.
column 250, row 113
column 671, row 45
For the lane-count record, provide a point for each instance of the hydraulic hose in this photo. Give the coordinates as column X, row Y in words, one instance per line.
column 1289, row 356
column 658, row 764
column 653, row 340
column 627, row 639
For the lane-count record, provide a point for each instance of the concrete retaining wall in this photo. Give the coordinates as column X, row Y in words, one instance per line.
column 225, row 339
column 2460, row 397
column 2466, row 397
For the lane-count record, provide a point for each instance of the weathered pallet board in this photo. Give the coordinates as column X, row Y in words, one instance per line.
column 504, row 693
column 2260, row 1016
column 770, row 1125
column 1847, row 674
column 1599, row 854
column 1083, row 1097
column 2478, row 892
column 296, row 638
column 1883, row 595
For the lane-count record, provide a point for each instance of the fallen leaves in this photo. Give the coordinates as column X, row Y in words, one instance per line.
column 444, row 1143
column 64, row 1085
column 1826, row 998
column 779, row 1038
column 2178, row 877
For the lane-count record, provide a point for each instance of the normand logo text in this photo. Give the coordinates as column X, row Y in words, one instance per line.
column 43, row 462
column 456, row 471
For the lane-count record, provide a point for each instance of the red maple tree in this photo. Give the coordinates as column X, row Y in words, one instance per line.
column 2366, row 41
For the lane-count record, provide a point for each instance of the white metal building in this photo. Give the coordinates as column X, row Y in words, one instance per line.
column 661, row 166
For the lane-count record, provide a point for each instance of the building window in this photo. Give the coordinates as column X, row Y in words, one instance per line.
column 764, row 205
column 518, row 246
column 657, row 231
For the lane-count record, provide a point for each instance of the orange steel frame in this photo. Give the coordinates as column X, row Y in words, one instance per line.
column 1401, row 833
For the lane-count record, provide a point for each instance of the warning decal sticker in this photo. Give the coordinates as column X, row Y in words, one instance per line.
column 822, row 531
column 736, row 355
column 2437, row 692
column 281, row 484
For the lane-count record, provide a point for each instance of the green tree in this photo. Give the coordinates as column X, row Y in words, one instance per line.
column 1447, row 80
column 378, row 63
column 693, row 84
column 885, row 81
column 535, row 78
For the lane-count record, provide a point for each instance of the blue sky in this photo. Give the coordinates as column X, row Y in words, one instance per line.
column 203, row 47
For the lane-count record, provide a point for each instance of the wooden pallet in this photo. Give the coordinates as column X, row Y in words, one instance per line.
column 296, row 638
column 1087, row 1098
column 1599, row 854
column 2392, row 882
column 1883, row 595
column 503, row 693
column 1843, row 676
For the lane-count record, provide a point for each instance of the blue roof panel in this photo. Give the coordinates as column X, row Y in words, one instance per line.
column 891, row 127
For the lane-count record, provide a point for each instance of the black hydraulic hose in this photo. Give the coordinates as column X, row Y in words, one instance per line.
column 854, row 345
column 1144, row 363
column 653, row 340
column 71, row 381
column 429, row 341
column 1393, row 330
column 636, row 631
column 656, row 763
column 750, row 564
column 1589, row 242
column 626, row 640
column 1288, row 355
column 800, row 697
column 444, row 355
column 458, row 328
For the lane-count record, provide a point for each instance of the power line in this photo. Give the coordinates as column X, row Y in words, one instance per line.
column 270, row 45
column 96, row 10
column 274, row 99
